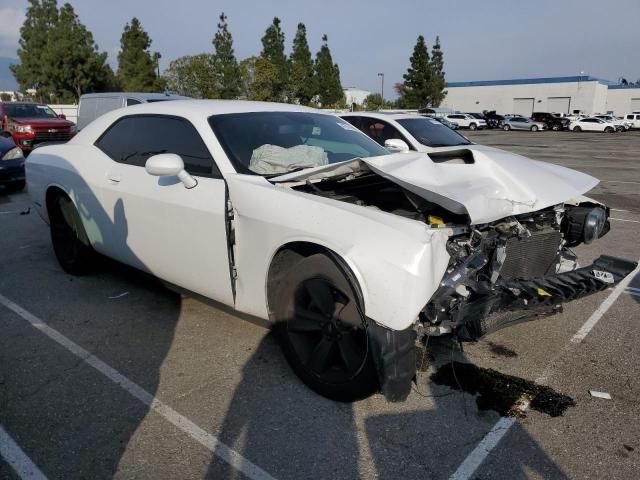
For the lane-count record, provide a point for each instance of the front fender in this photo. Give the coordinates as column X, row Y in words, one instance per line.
column 397, row 262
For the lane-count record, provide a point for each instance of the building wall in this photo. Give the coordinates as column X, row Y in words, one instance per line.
column 589, row 96
column 623, row 100
column 355, row 95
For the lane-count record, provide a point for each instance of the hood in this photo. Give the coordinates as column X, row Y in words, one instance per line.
column 490, row 185
column 43, row 122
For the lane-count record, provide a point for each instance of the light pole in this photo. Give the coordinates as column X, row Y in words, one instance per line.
column 382, row 89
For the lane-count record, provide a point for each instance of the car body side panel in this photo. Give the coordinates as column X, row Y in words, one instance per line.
column 396, row 282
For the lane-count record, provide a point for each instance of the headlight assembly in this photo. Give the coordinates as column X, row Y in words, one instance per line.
column 594, row 224
column 13, row 154
column 24, row 129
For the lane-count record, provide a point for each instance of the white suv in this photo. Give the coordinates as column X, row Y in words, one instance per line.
column 634, row 118
column 466, row 121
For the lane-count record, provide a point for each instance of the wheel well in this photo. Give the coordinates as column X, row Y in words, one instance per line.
column 290, row 254
column 52, row 194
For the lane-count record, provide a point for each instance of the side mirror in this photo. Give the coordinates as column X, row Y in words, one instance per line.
column 169, row 165
column 62, row 116
column 395, row 145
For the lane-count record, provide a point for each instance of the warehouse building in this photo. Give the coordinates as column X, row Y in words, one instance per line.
column 584, row 94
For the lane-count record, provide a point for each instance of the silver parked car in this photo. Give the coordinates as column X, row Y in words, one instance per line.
column 522, row 123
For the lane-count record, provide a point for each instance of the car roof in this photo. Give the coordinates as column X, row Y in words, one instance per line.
column 382, row 115
column 207, row 108
column 22, row 103
column 140, row 95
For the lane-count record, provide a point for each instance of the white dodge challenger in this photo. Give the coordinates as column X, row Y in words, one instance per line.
column 293, row 215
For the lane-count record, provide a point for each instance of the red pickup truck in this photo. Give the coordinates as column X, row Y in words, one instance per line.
column 32, row 123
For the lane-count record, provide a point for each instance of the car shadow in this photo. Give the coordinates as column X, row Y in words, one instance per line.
column 74, row 422
column 291, row 432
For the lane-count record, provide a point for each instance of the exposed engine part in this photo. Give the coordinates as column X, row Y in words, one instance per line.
column 515, row 270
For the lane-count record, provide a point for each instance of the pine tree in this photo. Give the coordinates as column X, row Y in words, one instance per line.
column 418, row 79
column 41, row 18
column 301, row 76
column 225, row 63
column 437, row 67
column 136, row 68
column 327, row 75
column 273, row 52
column 58, row 54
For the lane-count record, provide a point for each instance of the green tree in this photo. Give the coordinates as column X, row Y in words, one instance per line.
column 193, row 76
column 136, row 66
column 5, row 97
column 418, row 79
column 273, row 52
column 327, row 76
column 258, row 77
column 58, row 56
column 227, row 73
column 374, row 101
column 438, row 83
column 302, row 85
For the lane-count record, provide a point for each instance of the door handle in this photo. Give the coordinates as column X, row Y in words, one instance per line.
column 114, row 178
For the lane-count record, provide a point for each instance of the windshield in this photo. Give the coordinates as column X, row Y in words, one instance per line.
column 267, row 143
column 24, row 110
column 432, row 133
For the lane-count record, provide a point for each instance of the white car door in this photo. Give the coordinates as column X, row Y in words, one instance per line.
column 156, row 224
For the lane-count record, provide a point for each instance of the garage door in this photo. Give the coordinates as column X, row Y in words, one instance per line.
column 558, row 104
column 523, row 106
column 635, row 104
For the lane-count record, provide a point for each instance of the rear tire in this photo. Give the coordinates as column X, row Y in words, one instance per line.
column 70, row 242
column 577, row 129
column 609, row 130
column 534, row 128
column 555, row 127
column 473, row 126
column 323, row 331
column 506, row 128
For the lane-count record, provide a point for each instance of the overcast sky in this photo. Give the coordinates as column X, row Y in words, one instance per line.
column 481, row 39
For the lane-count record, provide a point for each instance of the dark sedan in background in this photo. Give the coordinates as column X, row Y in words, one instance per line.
column 11, row 163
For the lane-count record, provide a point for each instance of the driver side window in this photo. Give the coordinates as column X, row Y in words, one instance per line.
column 133, row 139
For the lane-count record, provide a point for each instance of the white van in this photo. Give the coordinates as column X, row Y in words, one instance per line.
column 92, row 105
column 634, row 118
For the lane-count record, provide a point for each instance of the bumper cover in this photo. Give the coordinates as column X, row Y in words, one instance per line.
column 11, row 170
column 517, row 301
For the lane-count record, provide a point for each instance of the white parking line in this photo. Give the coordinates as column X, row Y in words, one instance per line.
column 473, row 461
column 624, row 220
column 14, row 456
column 221, row 450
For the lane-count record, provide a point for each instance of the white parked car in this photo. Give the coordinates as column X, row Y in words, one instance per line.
column 294, row 215
column 464, row 120
column 634, row 118
column 402, row 132
column 592, row 124
column 619, row 123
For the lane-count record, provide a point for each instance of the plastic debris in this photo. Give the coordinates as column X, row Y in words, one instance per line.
column 119, row 296
column 596, row 394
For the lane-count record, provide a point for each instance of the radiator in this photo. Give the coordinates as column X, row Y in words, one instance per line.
column 532, row 257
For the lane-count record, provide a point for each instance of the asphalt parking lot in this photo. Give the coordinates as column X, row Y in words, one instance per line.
column 113, row 375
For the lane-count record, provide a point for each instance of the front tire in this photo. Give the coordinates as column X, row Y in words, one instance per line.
column 534, row 128
column 577, row 129
column 70, row 242
column 473, row 126
column 506, row 128
column 555, row 127
column 609, row 130
column 323, row 331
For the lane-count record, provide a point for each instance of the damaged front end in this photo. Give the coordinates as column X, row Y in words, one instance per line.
column 519, row 269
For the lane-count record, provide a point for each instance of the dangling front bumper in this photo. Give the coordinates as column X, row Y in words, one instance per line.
column 516, row 301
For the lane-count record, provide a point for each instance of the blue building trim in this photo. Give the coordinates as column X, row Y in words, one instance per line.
column 622, row 87
column 529, row 81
